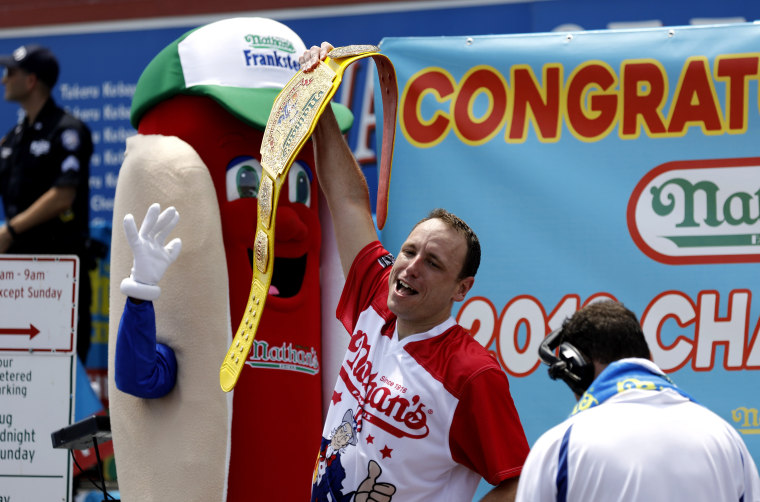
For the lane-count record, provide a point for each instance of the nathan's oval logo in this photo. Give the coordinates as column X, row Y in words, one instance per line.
column 698, row 211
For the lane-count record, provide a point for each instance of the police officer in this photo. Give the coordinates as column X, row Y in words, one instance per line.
column 44, row 173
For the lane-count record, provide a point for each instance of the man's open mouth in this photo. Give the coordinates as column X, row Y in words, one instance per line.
column 403, row 288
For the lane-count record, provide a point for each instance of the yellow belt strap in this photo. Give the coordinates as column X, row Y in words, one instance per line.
column 293, row 118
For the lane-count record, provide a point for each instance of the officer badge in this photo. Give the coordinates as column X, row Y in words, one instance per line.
column 70, row 139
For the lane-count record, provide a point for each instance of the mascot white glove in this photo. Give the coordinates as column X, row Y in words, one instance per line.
column 151, row 257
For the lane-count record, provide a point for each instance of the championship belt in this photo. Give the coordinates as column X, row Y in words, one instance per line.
column 293, row 118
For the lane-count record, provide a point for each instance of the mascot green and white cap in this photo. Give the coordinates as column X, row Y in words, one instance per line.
column 260, row 57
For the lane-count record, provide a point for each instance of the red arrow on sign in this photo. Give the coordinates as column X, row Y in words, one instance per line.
column 31, row 331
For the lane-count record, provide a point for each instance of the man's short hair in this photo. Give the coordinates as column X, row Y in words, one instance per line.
column 605, row 331
column 472, row 258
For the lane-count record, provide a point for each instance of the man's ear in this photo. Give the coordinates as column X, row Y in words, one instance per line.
column 32, row 80
column 463, row 288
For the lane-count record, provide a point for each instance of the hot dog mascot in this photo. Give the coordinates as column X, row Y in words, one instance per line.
column 184, row 223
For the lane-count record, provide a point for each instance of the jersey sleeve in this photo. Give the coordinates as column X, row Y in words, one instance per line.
column 366, row 285
column 486, row 433
column 143, row 368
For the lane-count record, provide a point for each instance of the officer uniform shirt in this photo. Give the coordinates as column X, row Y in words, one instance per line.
column 54, row 151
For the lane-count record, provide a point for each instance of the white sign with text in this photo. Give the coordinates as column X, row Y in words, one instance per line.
column 38, row 318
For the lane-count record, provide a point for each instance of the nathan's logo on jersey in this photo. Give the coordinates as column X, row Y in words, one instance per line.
column 698, row 212
column 284, row 357
column 746, row 420
column 380, row 404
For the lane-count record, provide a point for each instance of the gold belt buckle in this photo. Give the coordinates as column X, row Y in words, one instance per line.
column 293, row 118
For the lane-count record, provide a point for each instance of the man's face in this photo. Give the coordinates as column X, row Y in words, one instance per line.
column 16, row 82
column 424, row 282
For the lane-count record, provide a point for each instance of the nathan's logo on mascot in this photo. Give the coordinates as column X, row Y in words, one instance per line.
column 270, row 42
column 284, row 357
column 701, row 211
column 382, row 401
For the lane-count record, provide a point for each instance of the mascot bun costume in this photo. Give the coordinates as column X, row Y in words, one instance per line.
column 186, row 198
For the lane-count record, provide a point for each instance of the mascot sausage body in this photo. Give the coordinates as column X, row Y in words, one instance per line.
column 200, row 109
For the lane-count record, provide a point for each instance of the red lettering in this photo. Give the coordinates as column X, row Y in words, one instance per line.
column 543, row 104
column 737, row 71
column 695, row 101
column 418, row 130
column 363, row 386
column 598, row 118
column 643, row 98
column 480, row 130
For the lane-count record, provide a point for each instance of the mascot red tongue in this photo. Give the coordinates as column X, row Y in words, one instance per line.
column 200, row 109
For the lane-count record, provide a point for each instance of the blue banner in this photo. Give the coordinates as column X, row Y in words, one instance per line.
column 620, row 164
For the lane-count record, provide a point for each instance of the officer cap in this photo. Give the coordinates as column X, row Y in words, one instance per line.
column 34, row 59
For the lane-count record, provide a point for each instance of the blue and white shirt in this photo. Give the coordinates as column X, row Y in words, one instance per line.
column 641, row 445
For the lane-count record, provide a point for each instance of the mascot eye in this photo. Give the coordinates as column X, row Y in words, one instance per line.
column 247, row 181
column 299, row 183
column 243, row 178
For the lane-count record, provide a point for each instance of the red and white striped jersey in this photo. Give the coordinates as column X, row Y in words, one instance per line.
column 424, row 417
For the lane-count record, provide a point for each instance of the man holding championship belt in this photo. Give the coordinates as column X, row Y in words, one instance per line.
column 420, row 410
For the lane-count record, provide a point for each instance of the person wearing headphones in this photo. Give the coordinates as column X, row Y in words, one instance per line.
column 633, row 435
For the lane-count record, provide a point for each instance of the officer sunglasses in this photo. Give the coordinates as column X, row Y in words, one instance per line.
column 9, row 72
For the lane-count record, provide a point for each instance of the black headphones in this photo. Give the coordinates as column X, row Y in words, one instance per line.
column 570, row 366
